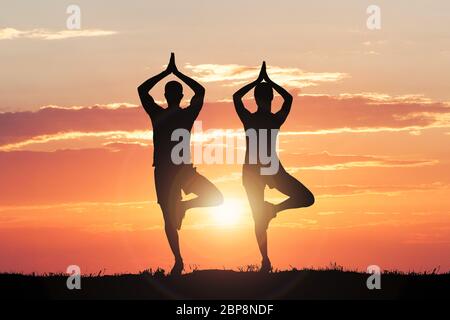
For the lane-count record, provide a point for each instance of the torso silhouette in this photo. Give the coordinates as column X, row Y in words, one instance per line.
column 266, row 121
column 164, row 122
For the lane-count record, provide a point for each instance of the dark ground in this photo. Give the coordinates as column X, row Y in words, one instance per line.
column 223, row 284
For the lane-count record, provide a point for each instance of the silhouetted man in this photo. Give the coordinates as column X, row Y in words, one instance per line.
column 253, row 177
column 171, row 178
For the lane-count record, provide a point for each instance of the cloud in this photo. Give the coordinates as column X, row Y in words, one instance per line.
column 339, row 190
column 20, row 127
column 374, row 43
column 115, row 105
column 76, row 206
column 325, row 114
column 233, row 74
column 383, row 98
column 71, row 140
column 44, row 34
column 325, row 161
column 329, row 213
column 66, row 176
column 301, row 224
column 122, row 172
column 310, row 115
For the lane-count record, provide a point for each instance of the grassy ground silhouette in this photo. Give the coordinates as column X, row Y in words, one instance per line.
column 246, row 283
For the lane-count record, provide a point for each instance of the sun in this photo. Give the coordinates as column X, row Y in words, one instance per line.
column 229, row 213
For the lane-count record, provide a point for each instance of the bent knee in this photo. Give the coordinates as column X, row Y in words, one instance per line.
column 310, row 200
column 305, row 199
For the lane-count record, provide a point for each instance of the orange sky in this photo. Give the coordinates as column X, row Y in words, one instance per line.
column 368, row 134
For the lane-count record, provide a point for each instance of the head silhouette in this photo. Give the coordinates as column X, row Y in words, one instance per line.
column 263, row 96
column 173, row 92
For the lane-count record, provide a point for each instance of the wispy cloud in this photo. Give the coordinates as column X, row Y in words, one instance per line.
column 326, row 161
column 316, row 114
column 233, row 74
column 44, row 34
column 383, row 98
column 366, row 164
column 300, row 224
column 329, row 213
column 374, row 43
column 113, row 106
column 76, row 205
column 327, row 191
column 65, row 138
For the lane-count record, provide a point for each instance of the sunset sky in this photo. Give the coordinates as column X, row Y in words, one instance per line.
column 369, row 132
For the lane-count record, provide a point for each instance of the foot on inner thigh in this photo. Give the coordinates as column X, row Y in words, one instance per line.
column 268, row 213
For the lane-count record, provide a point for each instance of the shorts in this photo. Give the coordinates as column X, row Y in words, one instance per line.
column 171, row 180
column 252, row 177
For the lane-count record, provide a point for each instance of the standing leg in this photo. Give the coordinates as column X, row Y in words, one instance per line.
column 172, row 237
column 255, row 195
column 168, row 191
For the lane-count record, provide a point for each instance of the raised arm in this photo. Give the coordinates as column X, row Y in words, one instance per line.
column 199, row 90
column 241, row 110
column 147, row 100
column 287, row 97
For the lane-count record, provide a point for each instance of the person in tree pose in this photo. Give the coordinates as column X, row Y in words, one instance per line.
column 253, row 176
column 171, row 178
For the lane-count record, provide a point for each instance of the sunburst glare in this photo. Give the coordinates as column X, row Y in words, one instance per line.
column 230, row 213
